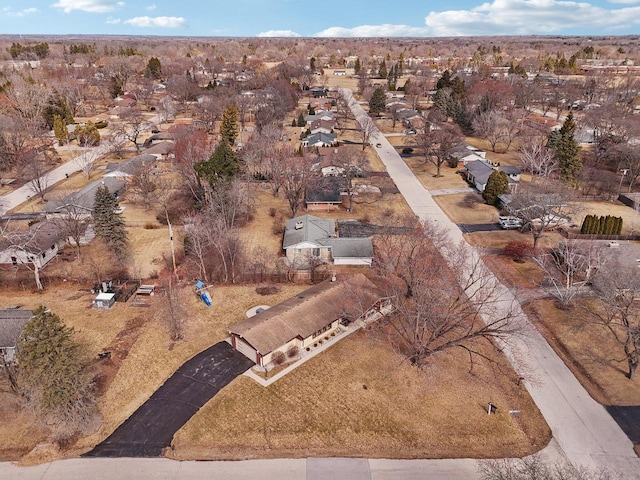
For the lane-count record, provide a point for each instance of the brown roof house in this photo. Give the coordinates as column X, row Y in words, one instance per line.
column 12, row 322
column 304, row 319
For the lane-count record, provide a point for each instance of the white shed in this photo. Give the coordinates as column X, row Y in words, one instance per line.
column 104, row 300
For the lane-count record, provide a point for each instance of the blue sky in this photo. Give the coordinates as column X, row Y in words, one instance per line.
column 326, row 18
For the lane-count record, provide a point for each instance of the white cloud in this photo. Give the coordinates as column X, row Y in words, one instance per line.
column 20, row 13
column 522, row 17
column 151, row 7
column 92, row 6
column 279, row 33
column 157, row 22
column 507, row 17
column 385, row 30
column 112, row 21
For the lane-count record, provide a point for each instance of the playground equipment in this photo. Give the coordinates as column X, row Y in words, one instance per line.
column 201, row 291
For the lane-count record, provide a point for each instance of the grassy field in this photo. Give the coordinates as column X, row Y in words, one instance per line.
column 598, row 364
column 458, row 212
column 358, row 399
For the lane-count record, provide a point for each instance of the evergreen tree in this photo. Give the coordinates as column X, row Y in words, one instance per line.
column 357, row 66
column 382, row 70
column 60, row 130
column 221, row 166
column 301, row 121
column 229, row 125
column 53, row 375
column 378, row 101
column 497, row 184
column 154, row 68
column 87, row 134
column 567, row 150
column 108, row 223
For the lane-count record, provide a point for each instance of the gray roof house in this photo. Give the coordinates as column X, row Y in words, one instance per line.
column 12, row 322
column 478, row 172
column 309, row 237
column 132, row 165
column 320, row 140
column 84, row 199
column 36, row 246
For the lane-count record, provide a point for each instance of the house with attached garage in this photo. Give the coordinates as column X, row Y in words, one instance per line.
column 319, row 140
column 84, row 199
column 477, row 173
column 300, row 322
column 310, row 239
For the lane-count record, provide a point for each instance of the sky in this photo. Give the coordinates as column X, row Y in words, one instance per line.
column 326, row 18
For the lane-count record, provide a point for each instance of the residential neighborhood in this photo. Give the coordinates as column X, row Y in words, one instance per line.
column 423, row 252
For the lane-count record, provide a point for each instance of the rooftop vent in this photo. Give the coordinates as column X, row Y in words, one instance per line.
column 299, row 225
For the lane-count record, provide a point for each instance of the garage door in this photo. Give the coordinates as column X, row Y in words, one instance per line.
column 246, row 349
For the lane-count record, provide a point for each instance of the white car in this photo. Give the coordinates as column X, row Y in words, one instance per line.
column 510, row 223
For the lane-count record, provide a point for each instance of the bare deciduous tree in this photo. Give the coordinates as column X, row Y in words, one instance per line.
column 538, row 159
column 436, row 143
column 535, row 467
column 569, row 267
column 617, row 309
column 132, row 124
column 366, row 128
column 443, row 301
column 174, row 310
column 297, row 175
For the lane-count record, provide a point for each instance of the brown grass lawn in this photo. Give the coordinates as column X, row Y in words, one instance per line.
column 358, row 399
column 631, row 220
column 589, row 351
column 425, row 172
column 518, row 275
column 498, row 239
column 458, row 212
column 142, row 349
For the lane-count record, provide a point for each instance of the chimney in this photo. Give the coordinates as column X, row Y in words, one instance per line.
column 299, row 225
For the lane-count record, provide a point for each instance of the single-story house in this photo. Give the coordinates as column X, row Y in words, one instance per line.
column 465, row 153
column 339, row 73
column 85, row 198
column 306, row 318
column 325, row 193
column 318, row 92
column 319, row 140
column 132, row 165
column 320, row 115
column 12, row 322
column 322, row 126
column 478, row 172
column 38, row 245
column 309, row 237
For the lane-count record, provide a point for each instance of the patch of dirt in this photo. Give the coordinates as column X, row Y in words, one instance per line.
column 267, row 290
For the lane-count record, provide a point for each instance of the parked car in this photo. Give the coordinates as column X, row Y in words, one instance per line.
column 378, row 145
column 510, row 223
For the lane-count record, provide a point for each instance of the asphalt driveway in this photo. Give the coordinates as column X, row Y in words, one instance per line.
column 479, row 227
column 151, row 428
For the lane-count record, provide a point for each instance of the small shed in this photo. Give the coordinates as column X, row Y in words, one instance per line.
column 104, row 300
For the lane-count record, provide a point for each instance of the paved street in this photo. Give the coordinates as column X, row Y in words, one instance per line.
column 22, row 194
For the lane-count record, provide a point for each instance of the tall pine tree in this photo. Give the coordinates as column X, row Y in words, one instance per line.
column 229, row 125
column 378, row 102
column 221, row 166
column 567, row 150
column 53, row 375
column 109, row 225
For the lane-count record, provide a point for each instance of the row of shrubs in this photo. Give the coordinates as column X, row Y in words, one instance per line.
column 601, row 225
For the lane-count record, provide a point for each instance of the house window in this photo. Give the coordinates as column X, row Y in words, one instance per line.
column 297, row 250
column 316, row 252
column 322, row 330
